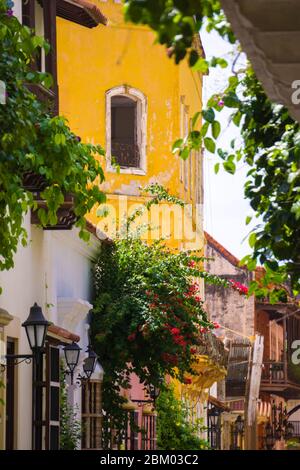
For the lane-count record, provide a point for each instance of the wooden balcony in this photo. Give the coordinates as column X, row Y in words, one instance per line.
column 46, row 96
column 66, row 217
column 279, row 378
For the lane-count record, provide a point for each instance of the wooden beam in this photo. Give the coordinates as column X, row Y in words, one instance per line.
column 253, row 393
column 49, row 7
column 28, row 13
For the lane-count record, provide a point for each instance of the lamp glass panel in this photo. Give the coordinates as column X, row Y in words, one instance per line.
column 72, row 356
column 89, row 365
column 40, row 335
column 31, row 335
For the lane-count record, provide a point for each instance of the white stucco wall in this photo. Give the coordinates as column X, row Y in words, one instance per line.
column 54, row 270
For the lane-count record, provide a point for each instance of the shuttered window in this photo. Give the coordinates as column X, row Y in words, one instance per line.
column 91, row 415
column 52, row 397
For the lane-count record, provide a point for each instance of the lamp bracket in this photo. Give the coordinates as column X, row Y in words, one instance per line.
column 16, row 359
column 143, row 402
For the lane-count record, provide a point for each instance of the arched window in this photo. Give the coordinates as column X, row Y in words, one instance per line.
column 126, row 127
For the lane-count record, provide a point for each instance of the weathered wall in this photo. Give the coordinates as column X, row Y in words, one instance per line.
column 227, row 306
column 124, row 54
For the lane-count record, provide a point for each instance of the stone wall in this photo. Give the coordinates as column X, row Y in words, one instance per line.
column 225, row 305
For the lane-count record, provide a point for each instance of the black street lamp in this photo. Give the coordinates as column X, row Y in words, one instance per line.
column 89, row 363
column 239, row 425
column 214, row 416
column 36, row 327
column 289, row 430
column 270, row 438
column 72, row 353
column 153, row 390
column 214, row 427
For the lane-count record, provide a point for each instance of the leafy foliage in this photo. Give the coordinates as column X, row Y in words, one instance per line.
column 147, row 318
column 174, row 429
column 271, row 137
column 33, row 141
column 70, row 425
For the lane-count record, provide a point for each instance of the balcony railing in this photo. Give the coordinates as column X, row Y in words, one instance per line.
column 296, row 428
column 126, row 154
column 274, row 373
column 281, row 377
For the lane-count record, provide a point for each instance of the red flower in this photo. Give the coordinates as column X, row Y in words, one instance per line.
column 187, row 381
column 216, row 325
column 198, row 298
column 241, row 288
column 175, row 331
column 131, row 337
column 203, row 329
column 193, row 351
column 170, row 358
column 179, row 340
column 192, row 264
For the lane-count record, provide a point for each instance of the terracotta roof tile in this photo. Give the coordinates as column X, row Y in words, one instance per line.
column 62, row 333
column 220, row 248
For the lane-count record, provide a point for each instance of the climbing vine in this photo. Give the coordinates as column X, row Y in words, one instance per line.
column 31, row 141
column 271, row 145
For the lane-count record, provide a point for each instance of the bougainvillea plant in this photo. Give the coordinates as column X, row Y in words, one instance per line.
column 32, row 141
column 148, row 316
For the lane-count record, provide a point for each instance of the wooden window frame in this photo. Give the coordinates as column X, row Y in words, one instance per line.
column 50, row 384
column 141, row 101
column 92, row 394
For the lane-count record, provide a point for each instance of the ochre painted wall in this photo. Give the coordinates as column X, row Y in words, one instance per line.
column 91, row 62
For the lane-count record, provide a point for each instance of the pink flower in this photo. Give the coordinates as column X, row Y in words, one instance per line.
column 192, row 264
column 216, row 325
column 198, row 298
column 221, row 103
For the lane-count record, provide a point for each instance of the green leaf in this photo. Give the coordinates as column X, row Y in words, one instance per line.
column 201, row 66
column 177, row 145
column 216, row 129
column 252, row 240
column 237, row 118
column 230, row 167
column 195, row 119
column 209, row 144
column 248, row 219
column 185, row 153
column 204, row 128
column 217, row 168
column 209, row 115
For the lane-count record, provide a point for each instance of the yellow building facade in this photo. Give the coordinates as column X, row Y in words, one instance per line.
column 119, row 89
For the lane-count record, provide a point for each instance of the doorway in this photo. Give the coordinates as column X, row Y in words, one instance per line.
column 10, row 397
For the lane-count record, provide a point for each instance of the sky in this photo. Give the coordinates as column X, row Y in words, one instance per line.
column 225, row 208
